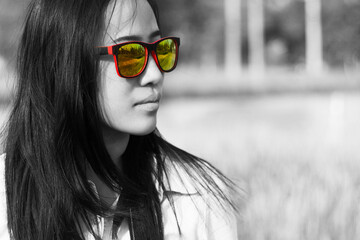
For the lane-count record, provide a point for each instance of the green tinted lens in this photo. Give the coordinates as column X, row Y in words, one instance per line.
column 131, row 59
column 166, row 53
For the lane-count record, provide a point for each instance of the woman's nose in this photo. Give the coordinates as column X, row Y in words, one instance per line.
column 152, row 74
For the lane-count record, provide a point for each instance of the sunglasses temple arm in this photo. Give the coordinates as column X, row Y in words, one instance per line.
column 105, row 50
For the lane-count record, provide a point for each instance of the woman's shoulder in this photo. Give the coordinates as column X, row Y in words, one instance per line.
column 3, row 216
column 178, row 180
column 2, row 181
column 185, row 178
column 215, row 190
column 198, row 211
column 2, row 173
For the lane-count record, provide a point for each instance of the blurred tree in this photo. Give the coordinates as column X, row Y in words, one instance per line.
column 256, row 36
column 285, row 22
column 341, row 30
column 314, row 40
column 233, row 63
column 200, row 24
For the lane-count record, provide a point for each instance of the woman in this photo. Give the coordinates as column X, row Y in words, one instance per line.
column 84, row 159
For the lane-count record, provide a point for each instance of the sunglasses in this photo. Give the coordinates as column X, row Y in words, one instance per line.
column 132, row 57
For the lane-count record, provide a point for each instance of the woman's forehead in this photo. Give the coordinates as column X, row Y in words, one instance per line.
column 129, row 17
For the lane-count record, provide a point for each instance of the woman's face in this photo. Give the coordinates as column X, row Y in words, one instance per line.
column 130, row 105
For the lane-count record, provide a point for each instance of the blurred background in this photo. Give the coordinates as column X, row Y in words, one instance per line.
column 269, row 92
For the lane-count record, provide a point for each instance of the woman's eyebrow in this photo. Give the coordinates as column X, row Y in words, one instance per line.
column 136, row 37
column 155, row 34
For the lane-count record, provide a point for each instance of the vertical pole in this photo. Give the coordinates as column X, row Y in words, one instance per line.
column 232, row 13
column 256, row 37
column 314, row 41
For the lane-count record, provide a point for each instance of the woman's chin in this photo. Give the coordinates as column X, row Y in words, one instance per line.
column 138, row 128
column 143, row 130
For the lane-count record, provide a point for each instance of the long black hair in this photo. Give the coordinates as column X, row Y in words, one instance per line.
column 54, row 135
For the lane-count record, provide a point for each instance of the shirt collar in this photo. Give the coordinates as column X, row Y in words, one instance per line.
column 94, row 188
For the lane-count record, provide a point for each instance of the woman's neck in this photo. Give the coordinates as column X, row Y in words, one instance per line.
column 115, row 143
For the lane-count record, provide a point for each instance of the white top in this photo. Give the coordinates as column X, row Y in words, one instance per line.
column 196, row 220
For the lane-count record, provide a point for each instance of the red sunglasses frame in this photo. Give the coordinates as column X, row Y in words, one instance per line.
column 149, row 48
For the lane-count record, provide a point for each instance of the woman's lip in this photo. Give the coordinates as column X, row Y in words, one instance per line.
column 146, row 102
column 150, row 99
column 148, row 106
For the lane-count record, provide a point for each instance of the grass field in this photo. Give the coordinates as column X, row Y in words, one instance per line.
column 296, row 154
